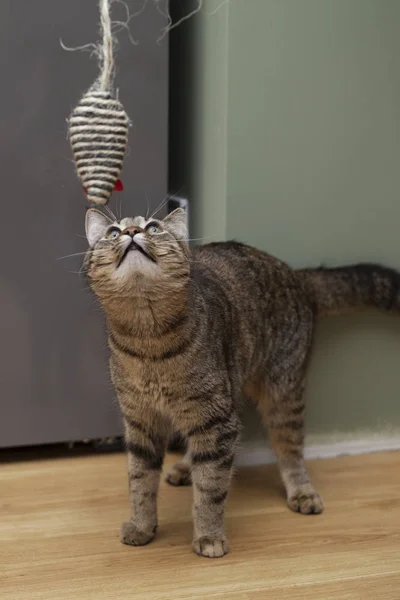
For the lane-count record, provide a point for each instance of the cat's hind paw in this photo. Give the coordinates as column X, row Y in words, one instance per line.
column 179, row 475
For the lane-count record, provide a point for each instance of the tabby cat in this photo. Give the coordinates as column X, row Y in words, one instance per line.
column 193, row 330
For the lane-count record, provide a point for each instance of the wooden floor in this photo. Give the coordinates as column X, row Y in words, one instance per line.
column 59, row 526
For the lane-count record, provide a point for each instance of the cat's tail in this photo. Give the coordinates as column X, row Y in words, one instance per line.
column 342, row 289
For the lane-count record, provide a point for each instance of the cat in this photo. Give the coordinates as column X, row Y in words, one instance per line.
column 192, row 330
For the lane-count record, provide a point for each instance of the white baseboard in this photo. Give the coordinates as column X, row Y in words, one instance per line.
column 260, row 454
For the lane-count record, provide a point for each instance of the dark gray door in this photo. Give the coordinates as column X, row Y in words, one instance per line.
column 54, row 381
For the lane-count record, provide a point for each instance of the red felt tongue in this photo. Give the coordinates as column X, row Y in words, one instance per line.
column 118, row 187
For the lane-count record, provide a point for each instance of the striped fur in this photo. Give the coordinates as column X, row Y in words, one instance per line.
column 98, row 133
column 342, row 289
column 188, row 334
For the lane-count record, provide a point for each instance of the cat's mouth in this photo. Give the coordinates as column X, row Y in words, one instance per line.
column 134, row 247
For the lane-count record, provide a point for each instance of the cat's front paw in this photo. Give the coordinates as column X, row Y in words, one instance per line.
column 309, row 503
column 133, row 536
column 210, row 546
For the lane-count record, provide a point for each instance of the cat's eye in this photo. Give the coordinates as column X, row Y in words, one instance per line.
column 113, row 234
column 153, row 229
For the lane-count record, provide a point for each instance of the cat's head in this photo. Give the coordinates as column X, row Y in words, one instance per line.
column 136, row 255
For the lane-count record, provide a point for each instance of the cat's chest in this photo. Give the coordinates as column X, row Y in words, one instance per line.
column 155, row 382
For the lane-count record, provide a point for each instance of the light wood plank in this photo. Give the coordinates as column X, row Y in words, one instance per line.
column 59, row 526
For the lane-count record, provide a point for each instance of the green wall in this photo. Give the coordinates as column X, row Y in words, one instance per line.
column 295, row 148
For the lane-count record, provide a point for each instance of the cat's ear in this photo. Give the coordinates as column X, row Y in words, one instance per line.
column 96, row 224
column 176, row 223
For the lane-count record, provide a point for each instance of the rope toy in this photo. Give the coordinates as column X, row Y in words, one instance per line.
column 98, row 126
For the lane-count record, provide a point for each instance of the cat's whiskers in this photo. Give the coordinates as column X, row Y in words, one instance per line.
column 70, row 255
column 160, row 206
column 164, row 201
column 110, row 213
column 120, row 209
column 147, row 206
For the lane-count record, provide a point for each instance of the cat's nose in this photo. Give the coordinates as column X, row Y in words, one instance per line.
column 132, row 231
